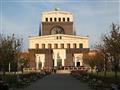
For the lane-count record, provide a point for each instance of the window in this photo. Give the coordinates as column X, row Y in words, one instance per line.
column 43, row 45
column 49, row 45
column 62, row 46
column 51, row 19
column 80, row 45
column 68, row 19
column 57, row 37
column 55, row 46
column 55, row 19
column 59, row 19
column 60, row 37
column 68, row 45
column 36, row 46
column 74, row 45
column 46, row 19
column 64, row 19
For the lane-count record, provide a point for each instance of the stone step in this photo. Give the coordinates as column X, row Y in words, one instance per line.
column 63, row 71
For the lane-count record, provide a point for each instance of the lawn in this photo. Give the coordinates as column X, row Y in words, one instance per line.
column 108, row 74
column 110, row 77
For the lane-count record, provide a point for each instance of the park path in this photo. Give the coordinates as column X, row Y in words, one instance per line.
column 57, row 82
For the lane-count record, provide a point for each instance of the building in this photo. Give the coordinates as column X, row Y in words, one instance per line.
column 57, row 44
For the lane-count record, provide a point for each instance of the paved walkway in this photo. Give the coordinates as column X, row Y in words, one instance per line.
column 57, row 82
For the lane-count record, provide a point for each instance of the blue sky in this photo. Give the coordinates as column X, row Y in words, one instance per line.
column 91, row 17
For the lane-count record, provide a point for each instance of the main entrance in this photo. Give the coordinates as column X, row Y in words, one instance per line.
column 59, row 55
column 59, row 61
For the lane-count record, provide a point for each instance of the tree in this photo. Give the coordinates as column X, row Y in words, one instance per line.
column 112, row 43
column 103, row 59
column 110, row 49
column 94, row 59
column 24, row 60
column 89, row 59
column 10, row 48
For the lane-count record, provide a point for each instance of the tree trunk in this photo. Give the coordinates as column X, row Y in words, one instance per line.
column 105, row 74
column 116, row 73
column 105, row 67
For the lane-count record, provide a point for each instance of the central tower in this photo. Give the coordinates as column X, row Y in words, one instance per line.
column 57, row 22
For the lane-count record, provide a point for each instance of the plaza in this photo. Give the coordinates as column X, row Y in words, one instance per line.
column 57, row 82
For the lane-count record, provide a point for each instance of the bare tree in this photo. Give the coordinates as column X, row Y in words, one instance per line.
column 112, row 43
column 89, row 59
column 110, row 49
column 10, row 48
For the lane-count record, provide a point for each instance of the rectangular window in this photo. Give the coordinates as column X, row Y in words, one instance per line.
column 51, row 19
column 68, row 45
column 74, row 45
column 49, row 45
column 59, row 19
column 62, row 46
column 55, row 19
column 46, row 19
column 68, row 19
column 43, row 45
column 60, row 37
column 36, row 46
column 57, row 37
column 63, row 19
column 55, row 46
column 80, row 45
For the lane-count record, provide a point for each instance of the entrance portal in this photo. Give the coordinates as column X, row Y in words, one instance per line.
column 59, row 61
column 78, row 64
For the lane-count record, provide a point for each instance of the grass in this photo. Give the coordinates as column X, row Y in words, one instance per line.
column 108, row 74
column 11, row 77
column 110, row 77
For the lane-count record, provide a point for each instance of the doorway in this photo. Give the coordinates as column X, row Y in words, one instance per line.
column 40, row 65
column 78, row 64
column 59, row 63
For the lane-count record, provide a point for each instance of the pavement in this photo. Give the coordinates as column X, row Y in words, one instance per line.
column 57, row 82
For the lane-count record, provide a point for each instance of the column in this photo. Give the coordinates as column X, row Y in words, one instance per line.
column 37, row 63
column 62, row 62
column 75, row 62
column 42, row 64
column 81, row 62
column 55, row 62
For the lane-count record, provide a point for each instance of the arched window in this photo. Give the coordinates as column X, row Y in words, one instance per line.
column 57, row 30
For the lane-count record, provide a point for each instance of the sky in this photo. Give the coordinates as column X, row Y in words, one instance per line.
column 91, row 17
